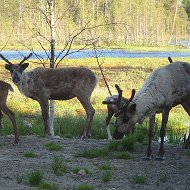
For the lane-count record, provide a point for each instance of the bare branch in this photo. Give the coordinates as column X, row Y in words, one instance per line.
column 99, row 65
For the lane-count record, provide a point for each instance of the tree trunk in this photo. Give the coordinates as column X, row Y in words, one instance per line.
column 52, row 59
column 173, row 25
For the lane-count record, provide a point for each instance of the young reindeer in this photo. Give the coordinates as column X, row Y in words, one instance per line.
column 114, row 103
column 165, row 88
column 4, row 90
column 44, row 84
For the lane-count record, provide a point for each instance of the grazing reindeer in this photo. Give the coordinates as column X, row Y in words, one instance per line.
column 114, row 103
column 165, row 88
column 43, row 84
column 4, row 90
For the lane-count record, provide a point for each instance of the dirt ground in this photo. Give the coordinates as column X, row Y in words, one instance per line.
column 172, row 174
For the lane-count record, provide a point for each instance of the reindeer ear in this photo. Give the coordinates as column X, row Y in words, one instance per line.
column 24, row 66
column 132, row 108
column 8, row 66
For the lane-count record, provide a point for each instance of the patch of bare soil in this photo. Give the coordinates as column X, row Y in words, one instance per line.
column 172, row 174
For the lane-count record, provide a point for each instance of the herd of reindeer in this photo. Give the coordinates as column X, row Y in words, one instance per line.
column 165, row 88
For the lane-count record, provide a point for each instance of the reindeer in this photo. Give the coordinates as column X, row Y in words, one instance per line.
column 44, row 84
column 4, row 90
column 114, row 103
column 165, row 88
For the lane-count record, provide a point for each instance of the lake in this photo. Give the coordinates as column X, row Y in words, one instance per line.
column 116, row 53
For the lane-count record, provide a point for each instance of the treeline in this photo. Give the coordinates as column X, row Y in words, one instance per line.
column 111, row 22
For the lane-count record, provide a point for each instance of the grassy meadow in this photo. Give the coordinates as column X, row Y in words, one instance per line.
column 128, row 73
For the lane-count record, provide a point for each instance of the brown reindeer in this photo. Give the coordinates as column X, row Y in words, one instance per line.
column 43, row 84
column 4, row 90
column 114, row 103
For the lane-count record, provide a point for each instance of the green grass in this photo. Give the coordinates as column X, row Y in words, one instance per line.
column 139, row 179
column 47, row 186
column 35, row 177
column 122, row 155
column 52, row 146
column 105, row 167
column 58, row 166
column 106, row 177
column 84, row 187
column 30, row 155
column 93, row 153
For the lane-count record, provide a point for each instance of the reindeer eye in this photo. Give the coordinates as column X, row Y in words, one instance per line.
column 125, row 119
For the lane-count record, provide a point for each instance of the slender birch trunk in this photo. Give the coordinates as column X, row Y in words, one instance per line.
column 52, row 60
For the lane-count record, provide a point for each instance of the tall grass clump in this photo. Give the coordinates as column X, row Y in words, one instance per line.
column 47, row 186
column 35, row 177
column 58, row 166
column 93, row 153
column 30, row 154
column 139, row 179
column 106, row 177
column 52, row 146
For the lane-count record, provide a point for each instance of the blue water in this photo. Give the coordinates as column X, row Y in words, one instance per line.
column 116, row 53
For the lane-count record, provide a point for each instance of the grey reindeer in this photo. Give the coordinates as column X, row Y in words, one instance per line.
column 4, row 90
column 44, row 84
column 165, row 88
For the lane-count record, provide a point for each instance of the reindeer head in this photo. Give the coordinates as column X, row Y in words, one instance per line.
column 16, row 70
column 122, row 119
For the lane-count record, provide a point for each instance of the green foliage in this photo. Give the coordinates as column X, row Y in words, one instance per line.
column 93, row 153
column 106, row 177
column 58, row 166
column 122, row 155
column 84, row 187
column 105, row 167
column 35, row 177
column 139, row 179
column 48, row 186
column 30, row 155
column 52, row 146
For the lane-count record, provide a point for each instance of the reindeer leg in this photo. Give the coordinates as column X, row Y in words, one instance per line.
column 11, row 115
column 85, row 101
column 150, row 136
column 45, row 114
column 165, row 114
column 186, row 106
column 108, row 118
column 1, row 116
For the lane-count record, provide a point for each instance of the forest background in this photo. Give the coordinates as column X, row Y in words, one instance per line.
column 118, row 22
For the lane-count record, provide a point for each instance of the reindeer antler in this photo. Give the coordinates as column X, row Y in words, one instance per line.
column 124, row 108
column 118, row 101
column 6, row 60
column 25, row 58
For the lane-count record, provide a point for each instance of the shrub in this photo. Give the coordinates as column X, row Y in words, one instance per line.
column 30, row 155
column 58, row 166
column 35, row 178
column 106, row 177
column 93, row 153
column 139, row 179
column 48, row 186
column 51, row 146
